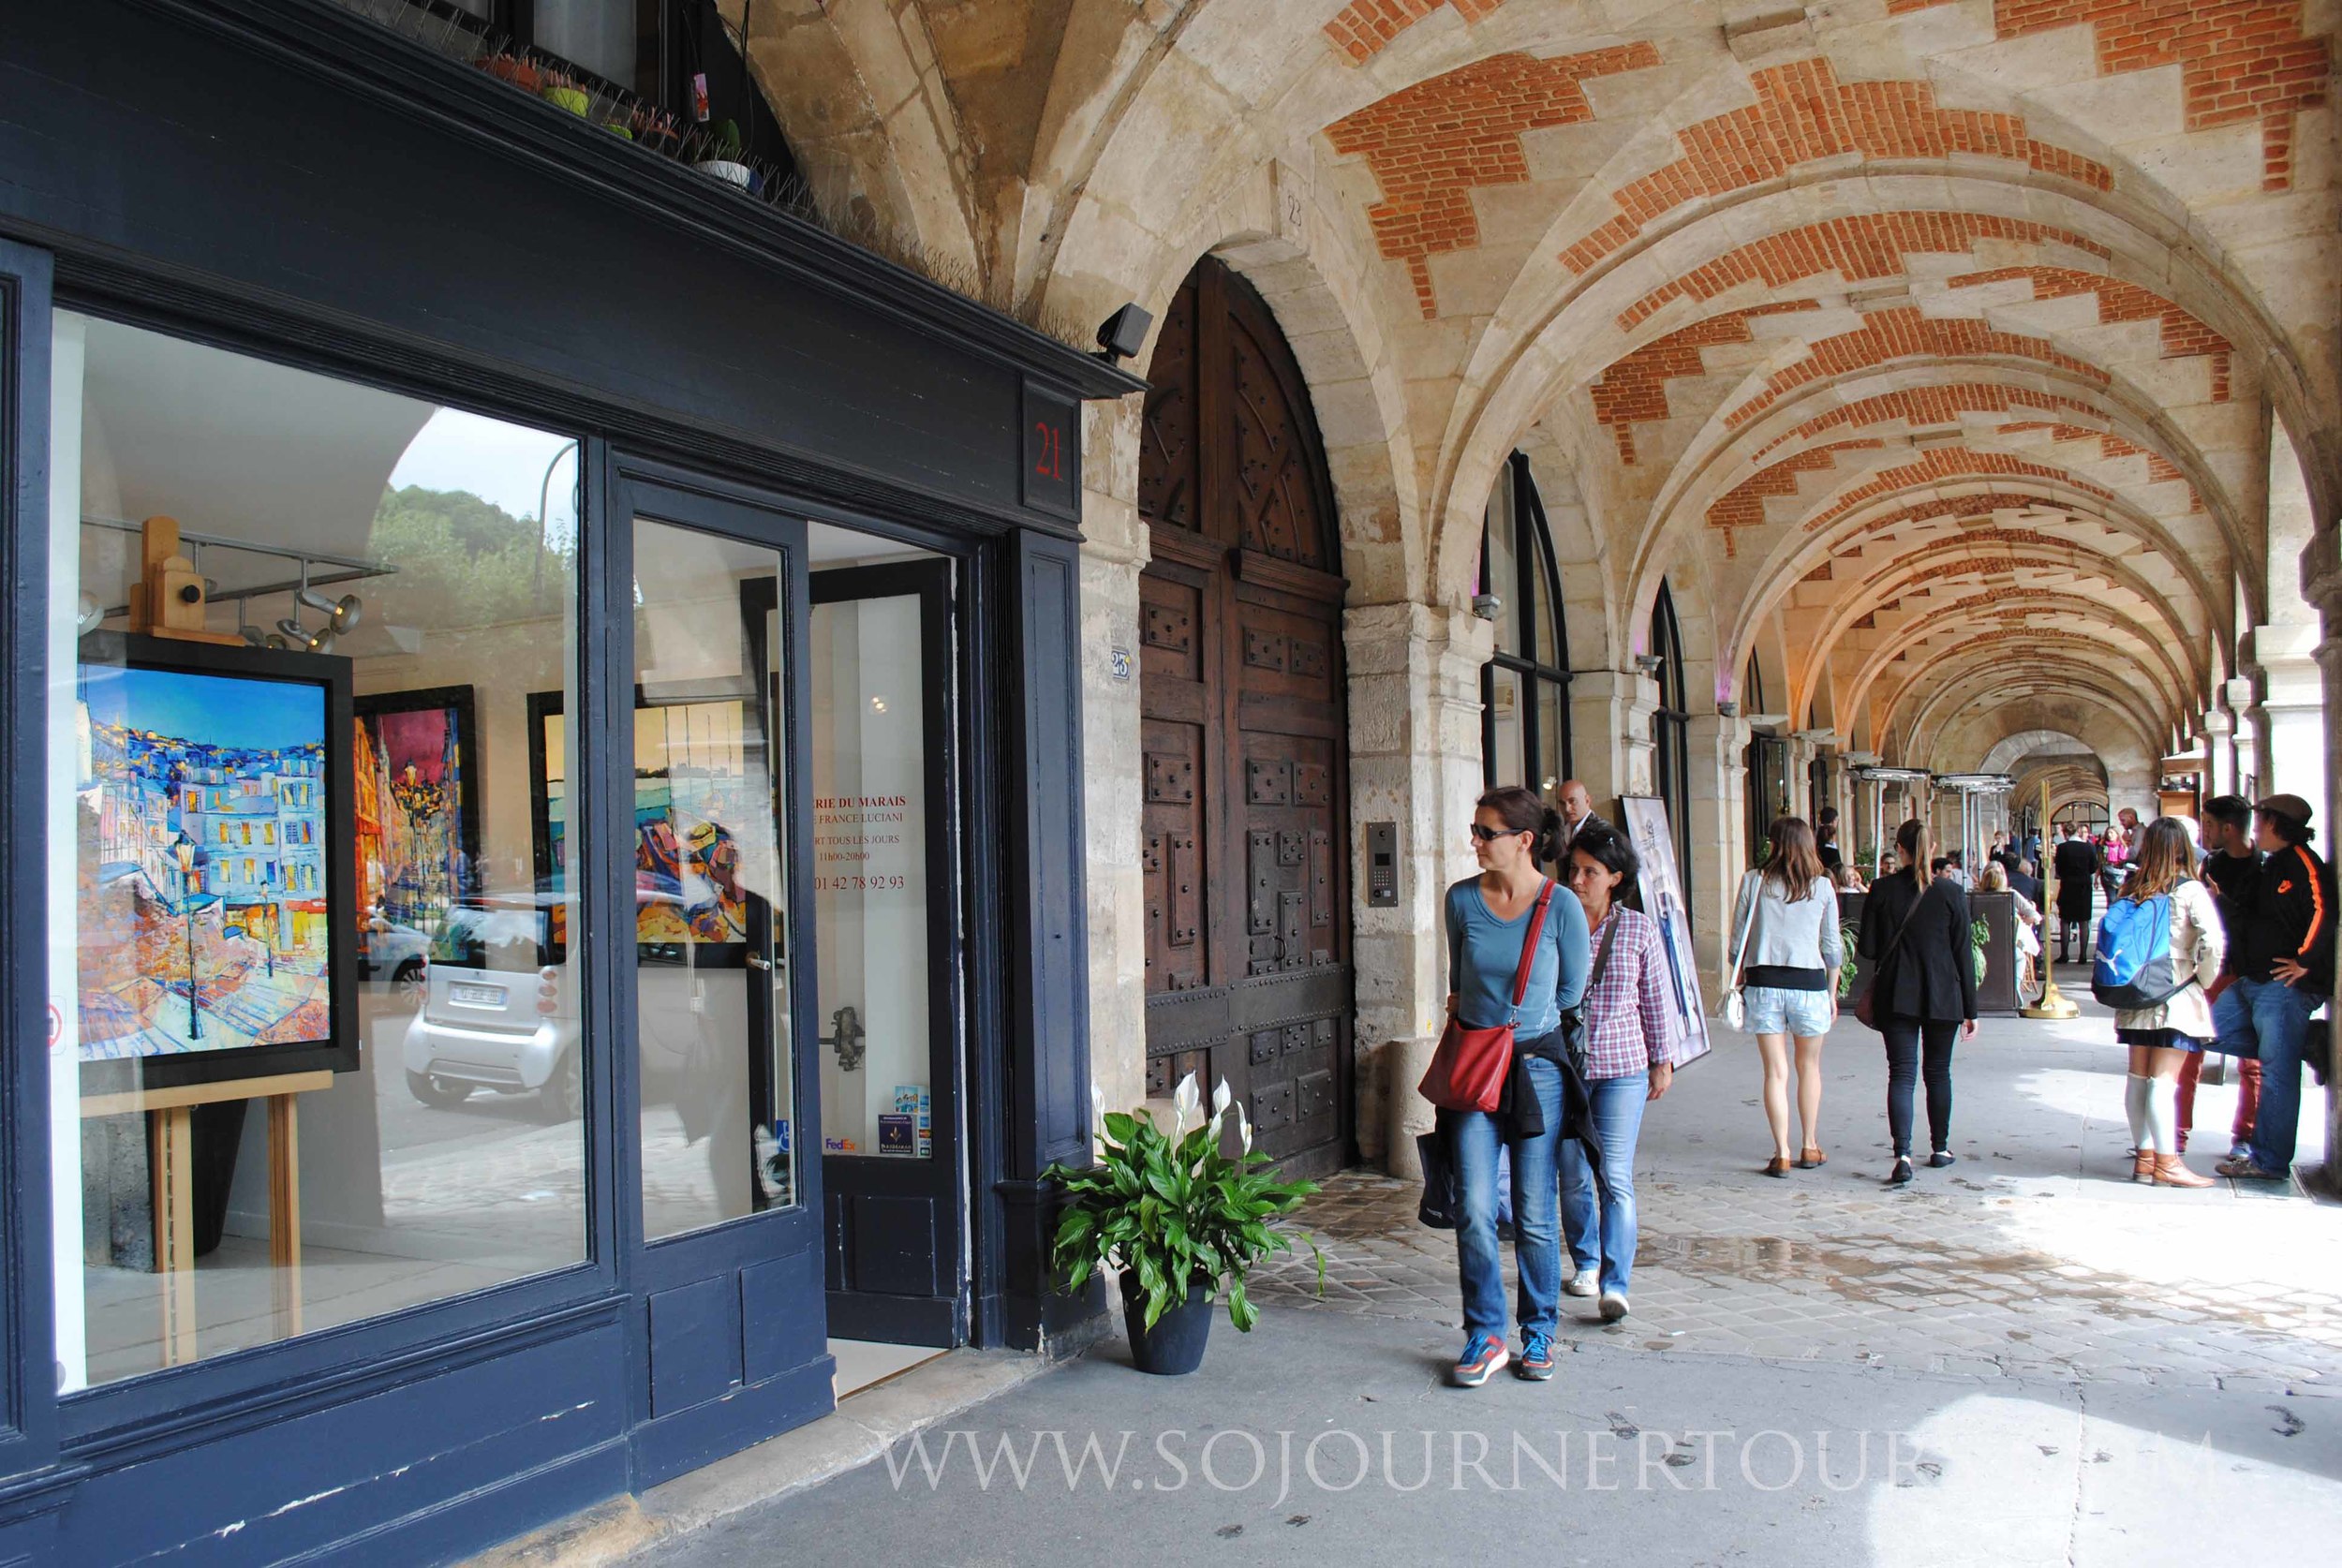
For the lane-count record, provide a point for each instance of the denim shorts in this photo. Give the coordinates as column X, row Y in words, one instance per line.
column 1774, row 1011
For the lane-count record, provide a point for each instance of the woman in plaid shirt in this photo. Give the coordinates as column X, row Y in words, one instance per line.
column 1631, row 1047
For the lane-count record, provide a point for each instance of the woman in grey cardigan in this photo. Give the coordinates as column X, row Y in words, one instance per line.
column 1788, row 964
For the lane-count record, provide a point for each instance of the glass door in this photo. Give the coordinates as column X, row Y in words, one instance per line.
column 726, row 1104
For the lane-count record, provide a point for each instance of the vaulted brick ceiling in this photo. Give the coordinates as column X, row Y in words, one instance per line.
column 1776, row 295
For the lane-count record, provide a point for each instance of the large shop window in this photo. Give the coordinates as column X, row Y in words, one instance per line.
column 1524, row 689
column 1670, row 729
column 318, row 1055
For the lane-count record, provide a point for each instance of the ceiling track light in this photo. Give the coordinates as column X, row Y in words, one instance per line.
column 341, row 613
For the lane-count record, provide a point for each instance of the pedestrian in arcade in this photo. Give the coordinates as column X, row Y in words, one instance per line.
column 2230, row 865
column 2075, row 864
column 1631, row 1047
column 1922, row 994
column 1492, row 920
column 1789, row 960
column 2284, row 970
column 2159, row 947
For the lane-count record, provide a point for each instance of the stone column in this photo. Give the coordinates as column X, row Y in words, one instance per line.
column 1719, row 834
column 1609, row 726
column 2219, row 752
column 1113, row 554
column 1415, row 760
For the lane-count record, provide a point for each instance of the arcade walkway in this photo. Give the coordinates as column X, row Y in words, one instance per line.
column 2068, row 1368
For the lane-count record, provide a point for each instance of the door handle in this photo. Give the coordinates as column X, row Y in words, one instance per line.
column 758, row 961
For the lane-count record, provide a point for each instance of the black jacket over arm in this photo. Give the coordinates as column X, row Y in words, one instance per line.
column 1932, row 975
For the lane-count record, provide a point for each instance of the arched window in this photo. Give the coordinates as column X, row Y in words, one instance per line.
column 1524, row 690
column 1671, row 732
column 1767, row 760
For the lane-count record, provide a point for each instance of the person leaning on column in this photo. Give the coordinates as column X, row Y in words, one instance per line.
column 2231, row 868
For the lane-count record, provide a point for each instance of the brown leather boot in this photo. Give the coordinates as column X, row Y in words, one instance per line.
column 2143, row 1169
column 2170, row 1171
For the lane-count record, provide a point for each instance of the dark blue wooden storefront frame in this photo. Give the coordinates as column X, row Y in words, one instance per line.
column 143, row 143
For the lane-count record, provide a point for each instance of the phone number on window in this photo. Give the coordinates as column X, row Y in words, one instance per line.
column 860, row 884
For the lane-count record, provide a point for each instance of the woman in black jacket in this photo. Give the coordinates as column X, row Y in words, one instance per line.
column 1916, row 934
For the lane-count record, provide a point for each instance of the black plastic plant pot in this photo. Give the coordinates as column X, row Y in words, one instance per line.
column 1175, row 1346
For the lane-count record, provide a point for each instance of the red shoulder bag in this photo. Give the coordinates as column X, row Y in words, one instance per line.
column 1469, row 1068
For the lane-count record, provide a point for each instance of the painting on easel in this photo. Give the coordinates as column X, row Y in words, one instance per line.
column 213, row 850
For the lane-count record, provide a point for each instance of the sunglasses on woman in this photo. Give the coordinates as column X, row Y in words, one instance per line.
column 1489, row 834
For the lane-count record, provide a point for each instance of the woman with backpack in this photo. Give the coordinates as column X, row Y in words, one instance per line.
column 1788, row 957
column 1922, row 991
column 2159, row 946
column 1517, row 955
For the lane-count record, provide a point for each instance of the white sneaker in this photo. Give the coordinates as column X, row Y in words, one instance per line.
column 1613, row 1306
column 1586, row 1282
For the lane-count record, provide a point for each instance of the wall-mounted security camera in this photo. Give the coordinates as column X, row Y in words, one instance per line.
column 1487, row 606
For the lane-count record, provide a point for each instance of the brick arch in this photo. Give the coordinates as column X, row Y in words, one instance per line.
column 1364, row 28
column 1902, row 332
column 1862, row 247
column 1802, row 114
column 1431, row 144
column 2017, row 653
column 2184, row 335
column 2240, row 60
column 1982, row 676
column 2003, row 605
column 1634, row 387
column 1742, row 506
column 1927, row 406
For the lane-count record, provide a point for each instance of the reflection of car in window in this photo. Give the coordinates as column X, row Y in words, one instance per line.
column 500, row 1012
column 389, row 951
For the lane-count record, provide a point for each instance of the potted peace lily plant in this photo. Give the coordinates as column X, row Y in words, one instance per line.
column 1179, row 1218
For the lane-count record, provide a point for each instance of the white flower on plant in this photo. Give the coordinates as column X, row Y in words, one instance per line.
column 1187, row 1101
column 1097, row 1107
column 1221, row 1100
column 1244, row 1126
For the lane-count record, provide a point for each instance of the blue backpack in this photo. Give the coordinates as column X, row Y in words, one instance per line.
column 2133, row 967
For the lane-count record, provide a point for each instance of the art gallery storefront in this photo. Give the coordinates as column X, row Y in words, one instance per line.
column 543, row 876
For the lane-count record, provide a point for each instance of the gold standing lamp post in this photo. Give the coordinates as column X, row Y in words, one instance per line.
column 2052, row 1005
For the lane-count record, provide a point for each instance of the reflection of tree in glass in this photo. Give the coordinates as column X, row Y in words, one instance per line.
column 474, row 563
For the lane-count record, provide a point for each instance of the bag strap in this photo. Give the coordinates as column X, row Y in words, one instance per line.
column 1901, row 929
column 1755, row 895
column 1602, row 958
column 1528, row 947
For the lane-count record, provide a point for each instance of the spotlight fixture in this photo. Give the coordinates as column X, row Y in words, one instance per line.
column 1121, row 334
column 342, row 613
column 1727, row 710
column 1650, row 664
column 296, row 636
column 1487, row 606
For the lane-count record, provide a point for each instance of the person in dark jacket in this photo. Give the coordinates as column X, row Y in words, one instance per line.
column 2284, row 969
column 2231, row 867
column 1916, row 933
column 2076, row 863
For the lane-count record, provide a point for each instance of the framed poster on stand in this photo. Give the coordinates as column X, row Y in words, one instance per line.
column 1645, row 818
column 214, row 864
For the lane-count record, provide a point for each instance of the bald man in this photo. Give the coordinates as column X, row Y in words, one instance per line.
column 1576, row 808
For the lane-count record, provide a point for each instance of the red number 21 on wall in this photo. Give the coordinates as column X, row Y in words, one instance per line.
column 1051, row 463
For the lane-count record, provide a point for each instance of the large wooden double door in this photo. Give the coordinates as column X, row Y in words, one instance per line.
column 1243, row 730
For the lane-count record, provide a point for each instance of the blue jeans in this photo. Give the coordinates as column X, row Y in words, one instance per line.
column 2276, row 1017
column 1536, row 1240
column 1588, row 1223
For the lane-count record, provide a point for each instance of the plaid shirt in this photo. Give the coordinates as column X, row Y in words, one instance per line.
column 1630, row 1016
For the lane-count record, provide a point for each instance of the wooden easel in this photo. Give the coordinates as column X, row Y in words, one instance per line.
column 169, row 600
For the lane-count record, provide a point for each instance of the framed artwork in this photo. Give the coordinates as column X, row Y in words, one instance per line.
column 695, row 776
column 415, row 783
column 1662, row 894
column 213, row 861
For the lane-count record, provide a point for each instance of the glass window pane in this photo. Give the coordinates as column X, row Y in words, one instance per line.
column 870, row 878
column 718, row 1111
column 1508, row 752
column 1545, row 622
column 1552, row 760
column 599, row 35
column 297, row 887
column 1503, row 574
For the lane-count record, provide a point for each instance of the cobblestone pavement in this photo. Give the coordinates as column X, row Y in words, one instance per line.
column 2034, row 1255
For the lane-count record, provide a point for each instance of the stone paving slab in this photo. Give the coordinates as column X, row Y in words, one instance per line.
column 2033, row 1257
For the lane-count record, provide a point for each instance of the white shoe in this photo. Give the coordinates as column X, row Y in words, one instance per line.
column 1586, row 1282
column 1613, row 1306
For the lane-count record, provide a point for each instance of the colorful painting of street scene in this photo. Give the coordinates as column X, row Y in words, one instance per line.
column 203, row 919
column 413, row 864
column 692, row 872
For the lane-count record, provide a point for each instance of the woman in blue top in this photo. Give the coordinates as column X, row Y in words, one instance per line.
column 1489, row 918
